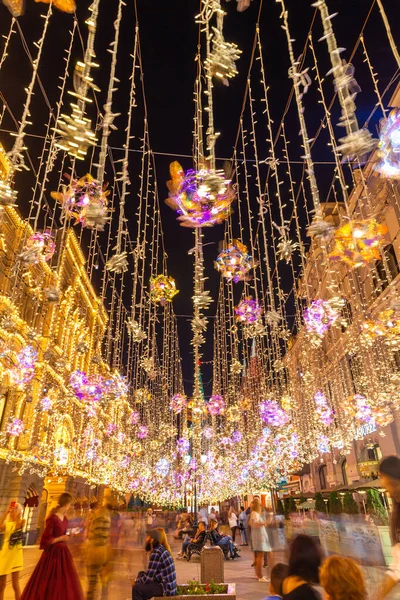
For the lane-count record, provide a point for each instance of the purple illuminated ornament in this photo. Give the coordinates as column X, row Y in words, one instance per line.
column 216, row 405
column 135, row 417
column 24, row 371
column 134, row 484
column 46, row 403
column 182, row 446
column 193, row 466
column 363, row 412
column 16, row 427
column 323, row 444
column 162, row 467
column 272, row 413
column 207, row 432
column 143, row 432
column 322, row 408
column 178, row 403
column 237, row 437
column 111, row 429
column 248, row 311
column 319, row 316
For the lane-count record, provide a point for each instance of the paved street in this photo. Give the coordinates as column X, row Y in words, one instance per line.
column 131, row 561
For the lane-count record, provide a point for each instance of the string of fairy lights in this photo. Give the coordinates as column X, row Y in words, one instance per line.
column 306, row 324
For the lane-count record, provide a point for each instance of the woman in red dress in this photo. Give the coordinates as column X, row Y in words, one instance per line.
column 55, row 576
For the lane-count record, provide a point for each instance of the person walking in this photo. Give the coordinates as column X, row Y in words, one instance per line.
column 342, row 578
column 233, row 522
column 243, row 523
column 11, row 558
column 98, row 551
column 259, row 539
column 55, row 575
column 389, row 472
column 160, row 577
column 304, row 564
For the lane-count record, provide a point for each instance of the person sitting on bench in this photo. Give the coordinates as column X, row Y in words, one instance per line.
column 222, row 540
column 197, row 539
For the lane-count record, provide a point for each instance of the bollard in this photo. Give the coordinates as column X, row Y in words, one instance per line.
column 212, row 565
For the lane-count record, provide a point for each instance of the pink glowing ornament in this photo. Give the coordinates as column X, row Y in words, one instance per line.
column 15, row 427
column 193, row 465
column 248, row 311
column 24, row 371
column 216, row 405
column 323, row 409
column 46, row 403
column 39, row 247
column 319, row 316
column 135, row 417
column 182, row 446
column 111, row 429
column 237, row 437
column 363, row 411
column 142, row 432
column 208, row 433
column 234, row 262
column 178, row 403
column 121, row 437
column 134, row 484
column 272, row 414
column 162, row 467
column 201, row 198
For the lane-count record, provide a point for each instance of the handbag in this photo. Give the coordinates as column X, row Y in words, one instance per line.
column 15, row 538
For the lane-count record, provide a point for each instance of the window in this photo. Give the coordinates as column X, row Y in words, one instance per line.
column 374, row 453
column 392, row 266
column 344, row 472
column 322, row 477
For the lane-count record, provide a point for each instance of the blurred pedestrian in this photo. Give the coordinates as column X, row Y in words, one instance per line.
column 11, row 558
column 98, row 551
column 233, row 522
column 304, row 564
column 243, row 522
column 389, row 471
column 55, row 575
column 342, row 579
column 160, row 577
column 259, row 539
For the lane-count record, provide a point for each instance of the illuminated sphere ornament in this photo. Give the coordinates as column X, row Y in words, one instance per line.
column 24, row 371
column 86, row 201
column 358, row 243
column 201, row 198
column 237, row 437
column 162, row 467
column 162, row 289
column 323, row 410
column 39, row 247
column 143, row 432
column 135, row 417
column 15, row 427
column 234, row 263
column 216, row 405
column 178, row 403
column 182, row 446
column 319, row 316
column 208, row 433
column 389, row 146
column 272, row 414
column 248, row 311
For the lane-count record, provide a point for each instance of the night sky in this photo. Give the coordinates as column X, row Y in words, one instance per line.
column 168, row 47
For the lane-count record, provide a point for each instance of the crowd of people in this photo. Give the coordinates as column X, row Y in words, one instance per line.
column 305, row 575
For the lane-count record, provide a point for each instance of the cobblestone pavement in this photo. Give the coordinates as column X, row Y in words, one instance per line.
column 129, row 562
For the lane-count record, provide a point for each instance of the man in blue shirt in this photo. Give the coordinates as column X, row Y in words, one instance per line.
column 160, row 577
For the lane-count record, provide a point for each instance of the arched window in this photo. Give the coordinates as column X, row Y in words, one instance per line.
column 374, row 452
column 322, row 477
column 344, row 472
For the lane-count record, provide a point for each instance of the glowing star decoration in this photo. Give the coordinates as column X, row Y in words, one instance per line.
column 39, row 247
column 135, row 417
column 178, row 403
column 234, row 263
column 201, row 198
column 216, row 405
column 67, row 6
column 135, row 331
column 389, row 146
column 221, row 62
column 142, row 432
column 358, row 243
column 162, row 289
column 323, row 410
column 15, row 427
column 118, row 263
column 248, row 311
column 85, row 200
column 319, row 316
column 272, row 414
column 162, row 467
column 182, row 446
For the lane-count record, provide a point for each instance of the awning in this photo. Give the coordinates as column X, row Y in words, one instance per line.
column 309, row 504
column 31, row 497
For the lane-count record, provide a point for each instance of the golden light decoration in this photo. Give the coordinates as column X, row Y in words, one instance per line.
column 67, row 6
column 386, row 326
column 201, row 198
column 234, row 262
column 85, row 200
column 142, row 396
column 358, row 242
column 39, row 247
column 221, row 62
column 233, row 413
column 162, row 289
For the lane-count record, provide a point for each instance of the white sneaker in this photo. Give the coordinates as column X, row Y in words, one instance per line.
column 264, row 580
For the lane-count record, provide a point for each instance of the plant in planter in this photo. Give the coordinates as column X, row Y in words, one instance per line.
column 335, row 504
column 195, row 588
column 350, row 506
column 320, row 505
column 376, row 508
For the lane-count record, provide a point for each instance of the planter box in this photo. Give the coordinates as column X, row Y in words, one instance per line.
column 230, row 595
